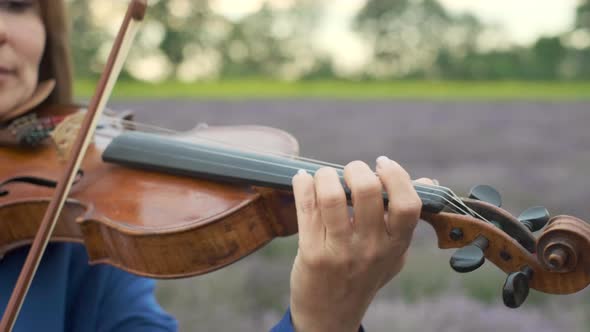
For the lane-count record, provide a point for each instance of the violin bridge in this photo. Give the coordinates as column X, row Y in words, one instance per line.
column 64, row 134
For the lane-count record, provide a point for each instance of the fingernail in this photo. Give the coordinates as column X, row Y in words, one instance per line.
column 382, row 159
column 435, row 182
column 301, row 172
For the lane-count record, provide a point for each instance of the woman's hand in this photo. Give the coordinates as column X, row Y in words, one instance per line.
column 342, row 263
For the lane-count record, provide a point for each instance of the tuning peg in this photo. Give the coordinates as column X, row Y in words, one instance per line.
column 516, row 287
column 534, row 218
column 470, row 257
column 487, row 194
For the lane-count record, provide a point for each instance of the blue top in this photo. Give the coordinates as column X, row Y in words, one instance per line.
column 67, row 294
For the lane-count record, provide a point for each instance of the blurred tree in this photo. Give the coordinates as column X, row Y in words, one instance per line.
column 583, row 15
column 186, row 35
column 175, row 36
column 252, row 48
column 86, row 38
column 547, row 55
column 274, row 41
column 579, row 40
column 187, row 40
column 407, row 37
column 542, row 61
column 496, row 65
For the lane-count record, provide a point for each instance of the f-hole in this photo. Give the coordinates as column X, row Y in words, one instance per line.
column 37, row 181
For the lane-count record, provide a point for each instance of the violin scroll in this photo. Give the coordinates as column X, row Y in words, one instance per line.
column 555, row 263
column 562, row 245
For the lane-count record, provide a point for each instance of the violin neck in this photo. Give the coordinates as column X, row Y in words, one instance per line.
column 226, row 164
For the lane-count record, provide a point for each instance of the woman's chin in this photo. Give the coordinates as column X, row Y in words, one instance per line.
column 8, row 102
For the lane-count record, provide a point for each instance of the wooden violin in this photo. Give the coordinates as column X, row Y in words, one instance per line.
column 171, row 206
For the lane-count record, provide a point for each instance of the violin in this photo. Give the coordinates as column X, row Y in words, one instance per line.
column 175, row 206
column 181, row 205
column 149, row 223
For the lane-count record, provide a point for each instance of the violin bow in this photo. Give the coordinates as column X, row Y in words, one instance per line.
column 134, row 15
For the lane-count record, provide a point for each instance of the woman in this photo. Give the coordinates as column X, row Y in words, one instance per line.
column 340, row 264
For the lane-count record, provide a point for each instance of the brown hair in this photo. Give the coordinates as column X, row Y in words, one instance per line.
column 56, row 63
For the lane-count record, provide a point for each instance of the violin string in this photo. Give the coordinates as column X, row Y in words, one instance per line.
column 158, row 129
column 444, row 190
column 253, row 149
column 471, row 211
column 445, row 196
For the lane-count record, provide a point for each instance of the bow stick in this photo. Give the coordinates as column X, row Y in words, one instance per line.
column 135, row 14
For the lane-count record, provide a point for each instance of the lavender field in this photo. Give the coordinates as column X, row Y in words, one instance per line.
column 534, row 153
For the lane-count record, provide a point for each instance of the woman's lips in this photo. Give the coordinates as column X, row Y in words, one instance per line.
column 6, row 72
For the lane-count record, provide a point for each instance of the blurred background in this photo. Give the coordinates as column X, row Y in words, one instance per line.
column 464, row 91
column 292, row 40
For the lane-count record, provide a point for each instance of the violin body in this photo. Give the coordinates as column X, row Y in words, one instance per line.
column 148, row 223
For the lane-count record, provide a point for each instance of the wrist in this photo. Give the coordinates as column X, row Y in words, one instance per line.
column 322, row 327
column 312, row 319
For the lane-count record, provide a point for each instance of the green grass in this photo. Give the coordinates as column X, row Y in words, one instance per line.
column 409, row 90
